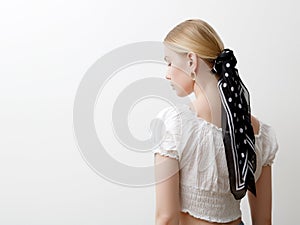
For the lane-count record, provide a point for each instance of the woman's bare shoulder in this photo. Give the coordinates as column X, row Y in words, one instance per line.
column 255, row 124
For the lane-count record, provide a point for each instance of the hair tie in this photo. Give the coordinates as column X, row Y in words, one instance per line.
column 238, row 135
column 225, row 57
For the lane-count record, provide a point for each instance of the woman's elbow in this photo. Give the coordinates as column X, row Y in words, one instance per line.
column 167, row 220
column 264, row 221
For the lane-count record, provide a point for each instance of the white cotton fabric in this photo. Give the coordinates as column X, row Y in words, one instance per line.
column 198, row 146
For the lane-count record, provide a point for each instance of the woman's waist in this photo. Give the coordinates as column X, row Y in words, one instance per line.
column 187, row 219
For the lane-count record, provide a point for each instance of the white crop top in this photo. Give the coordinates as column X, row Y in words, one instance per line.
column 198, row 146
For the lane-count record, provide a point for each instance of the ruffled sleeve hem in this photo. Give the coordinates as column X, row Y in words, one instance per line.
column 169, row 153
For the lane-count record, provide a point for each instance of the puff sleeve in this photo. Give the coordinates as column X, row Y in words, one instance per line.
column 167, row 133
column 269, row 145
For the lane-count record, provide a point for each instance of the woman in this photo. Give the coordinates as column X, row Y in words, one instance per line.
column 213, row 150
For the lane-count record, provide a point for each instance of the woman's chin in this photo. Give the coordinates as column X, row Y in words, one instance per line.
column 180, row 94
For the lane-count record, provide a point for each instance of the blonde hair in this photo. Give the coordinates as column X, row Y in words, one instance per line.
column 197, row 36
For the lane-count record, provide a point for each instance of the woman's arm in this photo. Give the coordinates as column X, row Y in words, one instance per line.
column 261, row 205
column 167, row 190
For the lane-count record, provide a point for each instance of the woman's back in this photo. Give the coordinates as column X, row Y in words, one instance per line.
column 204, row 187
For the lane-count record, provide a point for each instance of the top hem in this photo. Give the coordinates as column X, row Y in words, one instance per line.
column 210, row 219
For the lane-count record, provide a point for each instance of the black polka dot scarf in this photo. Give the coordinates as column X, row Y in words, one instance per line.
column 238, row 135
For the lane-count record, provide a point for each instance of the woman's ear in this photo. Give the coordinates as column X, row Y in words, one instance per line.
column 192, row 61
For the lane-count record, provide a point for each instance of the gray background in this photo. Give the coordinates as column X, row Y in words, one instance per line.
column 47, row 46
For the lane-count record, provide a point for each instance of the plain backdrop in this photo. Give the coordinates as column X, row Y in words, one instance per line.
column 47, row 46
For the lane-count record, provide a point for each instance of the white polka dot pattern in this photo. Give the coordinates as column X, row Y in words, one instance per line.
column 238, row 140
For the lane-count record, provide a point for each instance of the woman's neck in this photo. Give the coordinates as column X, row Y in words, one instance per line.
column 208, row 102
